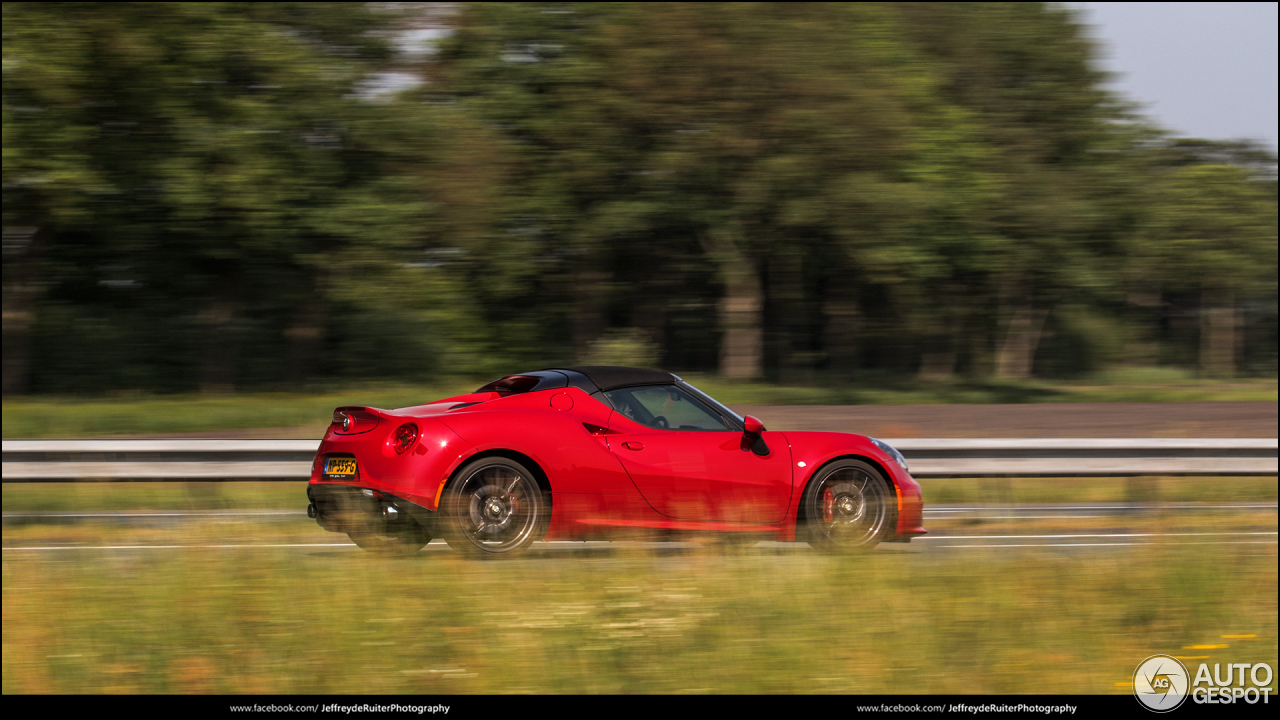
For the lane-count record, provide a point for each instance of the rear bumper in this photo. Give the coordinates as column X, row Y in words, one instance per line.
column 351, row 508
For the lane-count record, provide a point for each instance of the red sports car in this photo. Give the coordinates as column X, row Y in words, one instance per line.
column 578, row 453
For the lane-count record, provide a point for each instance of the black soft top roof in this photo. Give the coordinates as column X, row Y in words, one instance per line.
column 590, row 378
column 608, row 377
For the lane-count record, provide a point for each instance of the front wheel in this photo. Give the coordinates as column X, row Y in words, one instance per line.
column 494, row 507
column 847, row 507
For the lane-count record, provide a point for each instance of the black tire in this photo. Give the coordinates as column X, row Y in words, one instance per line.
column 848, row 507
column 492, row 508
column 403, row 542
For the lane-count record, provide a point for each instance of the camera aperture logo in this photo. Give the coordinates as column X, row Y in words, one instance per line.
column 1160, row 683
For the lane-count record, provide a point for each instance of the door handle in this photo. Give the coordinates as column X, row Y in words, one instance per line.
column 633, row 445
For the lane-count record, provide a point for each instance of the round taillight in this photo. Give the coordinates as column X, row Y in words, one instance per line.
column 406, row 436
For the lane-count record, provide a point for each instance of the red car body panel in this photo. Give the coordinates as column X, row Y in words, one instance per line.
column 674, row 479
column 705, row 475
column 414, row 475
column 816, row 449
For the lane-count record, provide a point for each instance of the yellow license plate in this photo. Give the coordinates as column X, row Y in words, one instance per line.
column 340, row 466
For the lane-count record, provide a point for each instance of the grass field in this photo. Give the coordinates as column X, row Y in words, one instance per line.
column 306, row 414
column 633, row 620
column 629, row 618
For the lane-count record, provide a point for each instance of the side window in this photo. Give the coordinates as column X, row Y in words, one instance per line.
column 665, row 407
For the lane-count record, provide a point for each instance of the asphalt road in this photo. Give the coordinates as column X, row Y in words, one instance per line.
column 984, row 512
column 1043, row 420
column 1080, row 541
column 1114, row 535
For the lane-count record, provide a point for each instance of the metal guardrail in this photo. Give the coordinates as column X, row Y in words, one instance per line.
column 209, row 460
column 1088, row 457
column 63, row 460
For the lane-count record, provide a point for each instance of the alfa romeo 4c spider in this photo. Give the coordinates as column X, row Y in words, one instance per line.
column 580, row 453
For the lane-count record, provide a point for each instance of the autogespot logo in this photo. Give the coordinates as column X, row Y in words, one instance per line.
column 1160, row 683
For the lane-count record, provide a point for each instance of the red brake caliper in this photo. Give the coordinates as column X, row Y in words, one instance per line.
column 828, row 505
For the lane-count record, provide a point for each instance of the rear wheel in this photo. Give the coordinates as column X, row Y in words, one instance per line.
column 848, row 507
column 494, row 507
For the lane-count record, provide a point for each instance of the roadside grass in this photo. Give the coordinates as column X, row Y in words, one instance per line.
column 291, row 495
column 629, row 618
column 634, row 619
column 306, row 414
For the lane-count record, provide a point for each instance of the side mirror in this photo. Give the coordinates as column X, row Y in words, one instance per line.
column 751, row 438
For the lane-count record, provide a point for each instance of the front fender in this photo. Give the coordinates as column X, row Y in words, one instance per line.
column 812, row 450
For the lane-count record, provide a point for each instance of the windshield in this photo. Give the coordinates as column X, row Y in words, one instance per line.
column 732, row 416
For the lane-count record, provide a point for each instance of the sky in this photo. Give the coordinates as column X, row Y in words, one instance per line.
column 1205, row 70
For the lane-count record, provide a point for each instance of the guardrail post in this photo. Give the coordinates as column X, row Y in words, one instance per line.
column 1141, row 492
column 996, row 492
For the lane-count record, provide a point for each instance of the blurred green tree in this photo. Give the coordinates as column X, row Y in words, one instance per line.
column 667, row 144
column 220, row 194
column 205, row 191
column 1056, row 147
column 1212, row 228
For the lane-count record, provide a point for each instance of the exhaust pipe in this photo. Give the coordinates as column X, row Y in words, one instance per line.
column 311, row 511
column 390, row 513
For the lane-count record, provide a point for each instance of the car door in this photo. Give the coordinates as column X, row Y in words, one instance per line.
column 690, row 463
